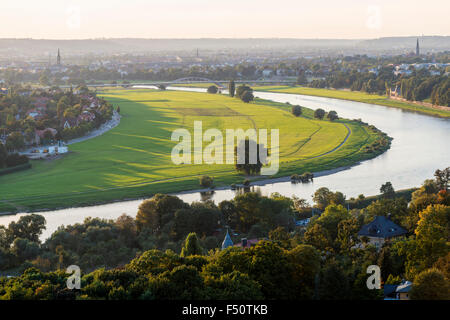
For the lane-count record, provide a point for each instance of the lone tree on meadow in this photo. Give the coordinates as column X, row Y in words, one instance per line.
column 206, row 181
column 332, row 115
column 296, row 110
column 240, row 91
column 232, row 88
column 248, row 167
column 319, row 114
column 212, row 89
column 247, row 96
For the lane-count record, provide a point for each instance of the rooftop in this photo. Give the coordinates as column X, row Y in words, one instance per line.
column 382, row 227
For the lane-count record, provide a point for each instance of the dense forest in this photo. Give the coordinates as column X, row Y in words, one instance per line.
column 172, row 249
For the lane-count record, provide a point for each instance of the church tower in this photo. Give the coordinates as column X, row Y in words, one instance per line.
column 227, row 242
column 58, row 59
column 417, row 48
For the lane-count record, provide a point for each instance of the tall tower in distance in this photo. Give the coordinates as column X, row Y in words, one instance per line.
column 58, row 59
column 417, row 48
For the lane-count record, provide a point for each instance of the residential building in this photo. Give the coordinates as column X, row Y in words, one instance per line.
column 397, row 292
column 381, row 229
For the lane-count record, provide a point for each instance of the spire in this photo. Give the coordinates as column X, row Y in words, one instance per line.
column 227, row 242
column 417, row 48
column 58, row 59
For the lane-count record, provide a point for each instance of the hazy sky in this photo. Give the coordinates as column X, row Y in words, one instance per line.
column 80, row 19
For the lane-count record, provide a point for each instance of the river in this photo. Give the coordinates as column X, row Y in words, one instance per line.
column 420, row 146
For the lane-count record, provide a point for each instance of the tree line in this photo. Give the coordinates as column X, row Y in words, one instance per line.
column 171, row 250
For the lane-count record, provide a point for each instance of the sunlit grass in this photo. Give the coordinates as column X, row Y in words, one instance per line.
column 133, row 160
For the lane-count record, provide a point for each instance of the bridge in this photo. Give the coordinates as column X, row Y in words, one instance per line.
column 221, row 84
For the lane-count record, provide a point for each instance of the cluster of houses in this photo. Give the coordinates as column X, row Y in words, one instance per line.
column 87, row 113
column 47, row 135
column 433, row 68
column 39, row 108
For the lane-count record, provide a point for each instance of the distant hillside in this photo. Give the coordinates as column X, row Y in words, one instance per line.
column 426, row 43
column 36, row 47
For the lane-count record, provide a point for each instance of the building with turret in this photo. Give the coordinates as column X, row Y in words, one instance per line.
column 227, row 242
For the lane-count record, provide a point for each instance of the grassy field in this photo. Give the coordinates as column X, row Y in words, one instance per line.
column 355, row 96
column 133, row 160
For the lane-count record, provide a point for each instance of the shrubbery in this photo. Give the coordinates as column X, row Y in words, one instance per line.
column 206, row 181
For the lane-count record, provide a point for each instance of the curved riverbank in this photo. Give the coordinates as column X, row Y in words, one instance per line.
column 123, row 175
column 420, row 146
column 363, row 97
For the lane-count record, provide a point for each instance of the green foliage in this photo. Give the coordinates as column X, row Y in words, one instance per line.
column 296, row 110
column 212, row 89
column 320, row 262
column 387, row 190
column 323, row 197
column 191, row 246
column 156, row 212
column 332, row 115
column 245, row 93
column 206, row 181
column 319, row 114
column 249, row 166
column 96, row 159
column 430, row 285
column 231, row 88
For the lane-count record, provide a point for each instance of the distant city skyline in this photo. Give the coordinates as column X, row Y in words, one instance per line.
column 345, row 19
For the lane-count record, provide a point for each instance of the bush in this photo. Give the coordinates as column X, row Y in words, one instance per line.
column 206, row 181
column 296, row 110
column 247, row 96
column 212, row 89
column 15, row 159
column 332, row 115
column 319, row 114
column 241, row 90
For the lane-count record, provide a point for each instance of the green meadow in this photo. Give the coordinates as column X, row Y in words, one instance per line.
column 356, row 96
column 133, row 160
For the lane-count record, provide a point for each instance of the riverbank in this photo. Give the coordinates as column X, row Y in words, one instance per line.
column 123, row 164
column 256, row 181
column 358, row 97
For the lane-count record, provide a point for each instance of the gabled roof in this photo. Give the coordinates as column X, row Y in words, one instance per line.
column 382, row 227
